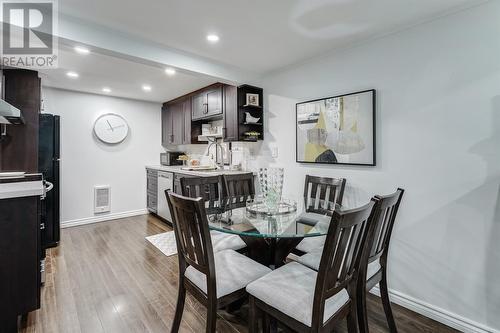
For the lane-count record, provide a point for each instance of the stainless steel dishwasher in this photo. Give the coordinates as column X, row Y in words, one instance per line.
column 165, row 182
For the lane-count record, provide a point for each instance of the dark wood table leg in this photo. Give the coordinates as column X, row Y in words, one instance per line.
column 270, row 251
column 283, row 248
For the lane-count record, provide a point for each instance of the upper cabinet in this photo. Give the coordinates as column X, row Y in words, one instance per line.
column 176, row 122
column 237, row 109
column 166, row 126
column 207, row 103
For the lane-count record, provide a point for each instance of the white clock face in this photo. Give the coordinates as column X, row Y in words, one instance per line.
column 111, row 128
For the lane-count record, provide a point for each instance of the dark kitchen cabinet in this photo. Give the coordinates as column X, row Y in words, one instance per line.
column 166, row 126
column 186, row 106
column 152, row 190
column 207, row 103
column 176, row 122
column 20, row 256
column 184, row 117
column 20, row 148
column 230, row 129
column 198, row 106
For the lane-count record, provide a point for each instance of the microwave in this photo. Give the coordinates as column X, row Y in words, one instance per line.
column 171, row 158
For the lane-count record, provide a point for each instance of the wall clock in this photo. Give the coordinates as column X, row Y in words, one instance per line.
column 111, row 128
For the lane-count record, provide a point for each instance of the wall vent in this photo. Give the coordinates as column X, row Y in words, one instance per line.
column 102, row 199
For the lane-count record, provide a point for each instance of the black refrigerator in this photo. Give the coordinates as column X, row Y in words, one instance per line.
column 48, row 165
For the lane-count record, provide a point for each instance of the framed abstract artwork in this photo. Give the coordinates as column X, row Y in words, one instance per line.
column 337, row 130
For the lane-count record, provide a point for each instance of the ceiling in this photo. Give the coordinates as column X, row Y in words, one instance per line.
column 259, row 35
column 125, row 78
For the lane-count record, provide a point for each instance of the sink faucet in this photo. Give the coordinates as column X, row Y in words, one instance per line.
column 219, row 158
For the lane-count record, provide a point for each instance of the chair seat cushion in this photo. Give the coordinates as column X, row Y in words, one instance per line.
column 312, row 260
column 222, row 241
column 290, row 289
column 233, row 271
column 309, row 244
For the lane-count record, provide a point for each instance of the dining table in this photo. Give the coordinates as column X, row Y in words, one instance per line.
column 271, row 233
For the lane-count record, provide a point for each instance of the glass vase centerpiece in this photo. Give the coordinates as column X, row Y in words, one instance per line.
column 271, row 186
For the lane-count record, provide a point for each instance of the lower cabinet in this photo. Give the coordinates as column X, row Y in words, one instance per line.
column 152, row 190
column 20, row 256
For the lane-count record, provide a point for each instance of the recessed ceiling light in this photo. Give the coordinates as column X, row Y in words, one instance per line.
column 212, row 38
column 72, row 74
column 82, row 50
column 106, row 90
column 146, row 87
column 170, row 71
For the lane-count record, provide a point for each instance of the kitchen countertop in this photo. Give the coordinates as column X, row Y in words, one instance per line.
column 23, row 186
column 178, row 169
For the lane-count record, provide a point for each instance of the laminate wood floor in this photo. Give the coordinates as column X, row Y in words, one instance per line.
column 106, row 277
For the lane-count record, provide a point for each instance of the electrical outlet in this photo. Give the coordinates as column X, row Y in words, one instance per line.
column 274, row 152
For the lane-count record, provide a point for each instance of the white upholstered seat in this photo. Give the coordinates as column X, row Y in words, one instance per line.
column 312, row 260
column 222, row 241
column 309, row 244
column 290, row 289
column 233, row 271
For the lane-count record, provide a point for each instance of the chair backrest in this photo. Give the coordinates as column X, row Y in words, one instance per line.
column 211, row 189
column 192, row 235
column 384, row 215
column 239, row 188
column 321, row 194
column 342, row 253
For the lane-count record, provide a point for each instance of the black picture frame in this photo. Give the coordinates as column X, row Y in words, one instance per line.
column 374, row 148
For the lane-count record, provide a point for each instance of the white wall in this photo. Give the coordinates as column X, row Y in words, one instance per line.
column 438, row 136
column 86, row 162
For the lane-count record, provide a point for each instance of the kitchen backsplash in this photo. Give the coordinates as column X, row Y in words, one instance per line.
column 249, row 154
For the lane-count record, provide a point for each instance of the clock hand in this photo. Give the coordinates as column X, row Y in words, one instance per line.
column 119, row 126
column 110, row 127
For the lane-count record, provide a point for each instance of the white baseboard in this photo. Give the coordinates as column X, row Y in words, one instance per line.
column 102, row 218
column 448, row 318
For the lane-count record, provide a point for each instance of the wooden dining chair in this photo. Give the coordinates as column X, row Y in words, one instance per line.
column 212, row 190
column 214, row 279
column 321, row 196
column 303, row 300
column 239, row 188
column 374, row 266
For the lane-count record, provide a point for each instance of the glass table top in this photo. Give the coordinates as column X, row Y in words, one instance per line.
column 284, row 223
